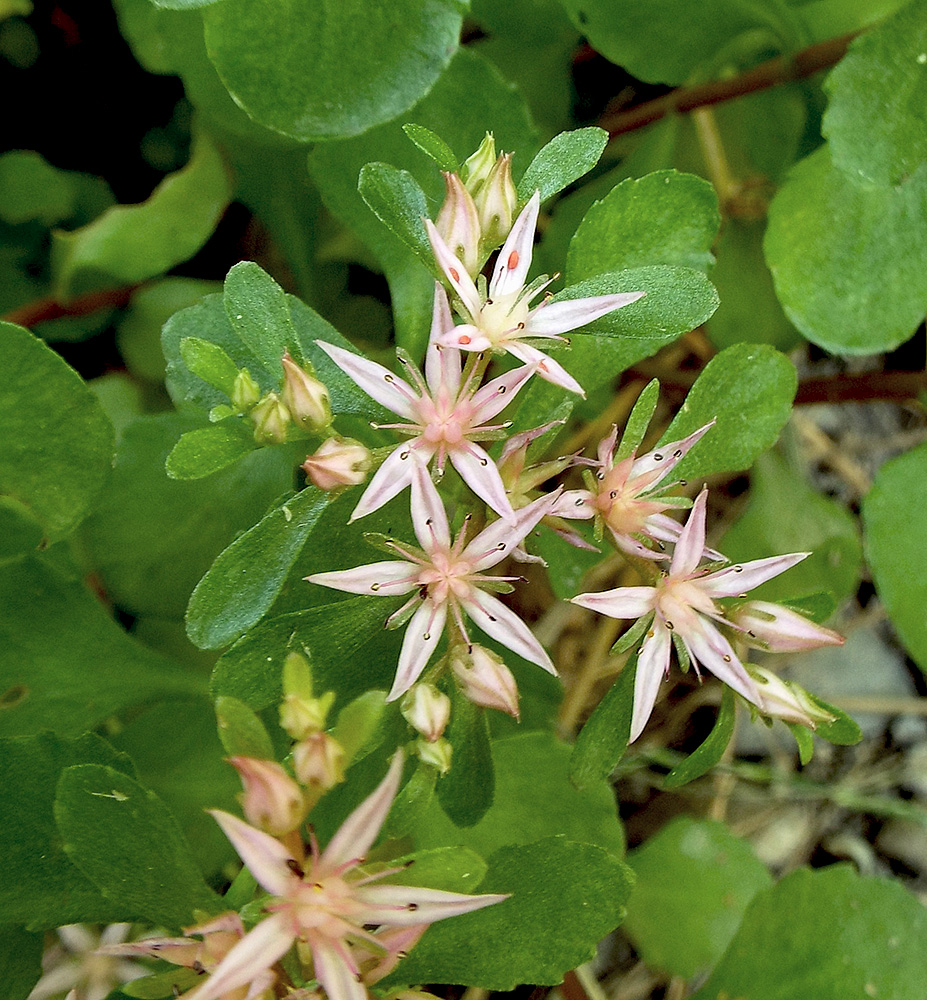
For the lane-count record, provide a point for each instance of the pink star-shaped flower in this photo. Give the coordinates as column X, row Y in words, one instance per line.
column 683, row 601
column 504, row 319
column 448, row 581
column 445, row 414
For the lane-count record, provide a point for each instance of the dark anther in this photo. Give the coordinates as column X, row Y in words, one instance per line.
column 501, row 389
column 500, row 547
column 198, row 967
column 374, row 586
column 579, row 502
column 613, row 494
column 484, row 462
column 294, row 867
column 489, row 302
column 490, row 617
column 429, row 521
column 600, row 475
column 683, row 482
column 751, row 634
column 738, row 569
column 388, row 378
column 658, row 458
column 426, row 636
column 403, row 455
column 726, row 658
column 669, row 625
column 412, row 907
column 677, row 453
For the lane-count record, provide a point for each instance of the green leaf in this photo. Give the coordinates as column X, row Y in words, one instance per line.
column 453, row 869
column 604, row 738
column 129, row 243
column 258, row 312
column 396, row 199
column 57, row 442
column 369, row 62
column 209, row 362
column 31, row 189
column 695, row 879
column 804, row 741
column 73, row 676
column 242, row 733
column 20, row 532
column 815, row 524
column 711, row 750
column 181, row 4
column 563, row 160
column 357, row 723
column 663, row 218
column 843, row 731
column 431, row 144
column 875, row 122
column 43, row 887
column 638, row 421
column 466, row 791
column 125, row 841
column 20, row 961
column 152, row 538
column 669, row 41
column 242, row 583
column 812, row 935
column 550, row 876
column 748, row 389
column 895, row 532
column 524, row 811
column 849, row 260
column 206, row 450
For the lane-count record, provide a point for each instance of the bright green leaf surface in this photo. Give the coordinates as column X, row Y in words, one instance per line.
column 603, row 739
column 242, row 583
column 694, row 881
column 326, row 71
column 32, row 189
column 206, row 450
column 431, row 144
column 20, row 961
column 877, row 119
column 42, row 887
column 123, row 838
column 548, row 877
column 466, row 792
column 130, row 243
column 711, row 750
column 815, row 524
column 895, row 525
column 524, row 811
column 849, row 260
column 65, row 664
column 397, row 200
column 454, row 869
column 663, row 218
column 241, row 731
column 57, row 442
column 748, row 389
column 563, row 160
column 208, row 361
column 181, row 4
column 20, row 532
column 152, row 538
column 829, row 934
column 258, row 312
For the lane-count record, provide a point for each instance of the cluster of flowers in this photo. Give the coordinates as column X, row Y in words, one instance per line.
column 446, row 411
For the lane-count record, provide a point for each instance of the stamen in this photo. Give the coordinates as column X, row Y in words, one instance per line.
column 677, row 453
column 613, row 494
column 412, row 907
column 464, row 340
column 726, row 658
column 374, row 586
column 512, row 262
column 198, row 967
column 295, row 867
column 388, row 378
column 669, row 625
column 738, row 569
column 454, row 273
column 658, row 458
column 578, row 503
column 751, row 634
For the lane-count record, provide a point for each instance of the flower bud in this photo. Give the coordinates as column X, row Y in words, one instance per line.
column 271, row 420
column 319, row 761
column 458, row 224
column 787, row 701
column 305, row 397
column 438, row 753
column 477, row 168
column 271, row 801
column 301, row 717
column 485, row 679
column 496, row 203
column 778, row 629
column 426, row 709
column 337, row 463
column 245, row 392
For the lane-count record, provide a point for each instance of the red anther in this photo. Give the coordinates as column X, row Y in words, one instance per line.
column 512, row 261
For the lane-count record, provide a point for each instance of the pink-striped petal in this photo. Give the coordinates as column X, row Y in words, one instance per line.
column 257, row 951
column 357, row 833
column 423, row 633
column 503, row 625
column 455, row 272
column 622, row 602
column 652, row 665
column 378, row 382
column 379, row 579
column 479, row 472
column 552, row 318
column 406, row 905
column 691, row 543
column 576, row 505
column 656, row 464
column 735, row 580
column 497, row 540
column 496, row 395
column 514, row 258
column 466, row 337
column 709, row 648
column 429, row 520
column 393, row 476
column 782, row 630
column 334, row 973
column 442, row 364
column 547, row 369
column 264, row 856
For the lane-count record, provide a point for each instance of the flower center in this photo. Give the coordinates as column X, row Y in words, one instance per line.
column 503, row 316
column 446, row 576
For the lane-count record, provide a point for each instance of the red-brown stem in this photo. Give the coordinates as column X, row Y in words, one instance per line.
column 771, row 73
column 44, row 309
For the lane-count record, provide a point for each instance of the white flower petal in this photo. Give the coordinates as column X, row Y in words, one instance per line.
column 622, row 602
column 503, row 625
column 334, row 973
column 496, row 395
column 407, row 905
column 479, row 472
column 264, row 856
column 547, row 369
column 466, row 337
column 657, row 464
column 429, row 519
column 423, row 633
column 378, row 382
column 497, row 540
column 708, row 647
column 552, row 318
column 442, row 364
column 379, row 579
column 652, row 664
column 735, row 580
column 393, row 476
column 691, row 543
column 455, row 271
column 514, row 258
column 576, row 505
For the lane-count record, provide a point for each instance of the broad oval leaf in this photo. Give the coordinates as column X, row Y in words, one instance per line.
column 563, row 160
column 603, row 740
column 201, row 452
column 703, row 759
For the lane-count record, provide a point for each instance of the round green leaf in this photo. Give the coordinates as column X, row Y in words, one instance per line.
column 695, row 879
column 849, row 260
column 327, row 70
column 57, row 442
column 206, row 450
column 32, row 189
column 877, row 119
column 829, row 934
column 895, row 524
